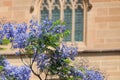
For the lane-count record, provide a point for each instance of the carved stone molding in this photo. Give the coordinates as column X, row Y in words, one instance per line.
column 38, row 3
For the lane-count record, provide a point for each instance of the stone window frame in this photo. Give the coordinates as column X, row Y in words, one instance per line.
column 85, row 5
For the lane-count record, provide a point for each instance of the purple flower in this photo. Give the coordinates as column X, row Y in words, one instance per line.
column 76, row 73
column 68, row 52
column 19, row 73
column 3, row 61
column 59, row 29
column 20, row 36
column 1, row 36
column 42, row 61
column 13, row 72
column 2, row 77
column 8, row 30
column 21, row 28
column 93, row 75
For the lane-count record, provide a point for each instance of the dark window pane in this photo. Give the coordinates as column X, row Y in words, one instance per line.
column 78, row 24
column 55, row 14
column 68, row 20
column 44, row 13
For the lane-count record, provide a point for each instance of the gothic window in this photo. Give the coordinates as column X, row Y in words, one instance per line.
column 79, row 24
column 55, row 14
column 68, row 21
column 73, row 12
column 44, row 13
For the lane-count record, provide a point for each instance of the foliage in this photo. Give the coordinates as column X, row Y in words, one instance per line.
column 1, row 68
column 10, row 72
column 42, row 44
column 2, row 48
column 5, row 41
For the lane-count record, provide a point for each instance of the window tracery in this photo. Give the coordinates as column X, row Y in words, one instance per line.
column 73, row 12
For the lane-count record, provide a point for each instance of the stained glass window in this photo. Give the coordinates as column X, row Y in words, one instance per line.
column 55, row 10
column 56, row 1
column 55, row 14
column 78, row 24
column 79, row 1
column 68, row 21
column 68, row 1
column 45, row 2
column 44, row 14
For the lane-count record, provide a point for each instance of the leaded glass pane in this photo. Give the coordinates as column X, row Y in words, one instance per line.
column 45, row 2
column 79, row 1
column 79, row 24
column 68, row 1
column 44, row 14
column 55, row 14
column 68, row 20
column 56, row 1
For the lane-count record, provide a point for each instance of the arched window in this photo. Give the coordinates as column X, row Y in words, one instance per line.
column 73, row 12
column 68, row 20
column 55, row 14
column 44, row 13
column 79, row 24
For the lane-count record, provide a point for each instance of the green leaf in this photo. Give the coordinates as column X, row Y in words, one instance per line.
column 5, row 41
column 2, row 48
column 70, row 79
column 63, row 23
column 82, row 69
column 57, row 22
column 1, row 68
column 67, row 61
column 67, row 32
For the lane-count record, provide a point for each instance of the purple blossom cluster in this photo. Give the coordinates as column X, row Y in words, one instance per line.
column 20, row 36
column 16, row 33
column 10, row 72
column 76, row 73
column 8, row 30
column 93, row 75
column 68, row 52
column 45, row 28
column 19, row 73
column 1, row 36
column 42, row 61
column 3, row 61
column 86, row 74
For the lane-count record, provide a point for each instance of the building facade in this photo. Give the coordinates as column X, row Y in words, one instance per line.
column 94, row 26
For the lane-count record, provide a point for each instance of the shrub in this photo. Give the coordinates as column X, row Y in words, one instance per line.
column 43, row 45
column 10, row 72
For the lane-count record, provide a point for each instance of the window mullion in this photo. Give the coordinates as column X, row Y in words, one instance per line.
column 62, row 10
column 85, row 22
column 40, row 15
column 73, row 24
column 50, row 13
column 50, row 4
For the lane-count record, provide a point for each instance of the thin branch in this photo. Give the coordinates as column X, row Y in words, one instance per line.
column 32, row 68
column 35, row 73
column 23, row 60
column 23, row 52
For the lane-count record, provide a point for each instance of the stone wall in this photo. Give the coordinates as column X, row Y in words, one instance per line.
column 104, row 25
column 107, row 62
column 15, row 10
column 103, row 32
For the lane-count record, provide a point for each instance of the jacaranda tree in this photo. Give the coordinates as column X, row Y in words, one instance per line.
column 42, row 45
